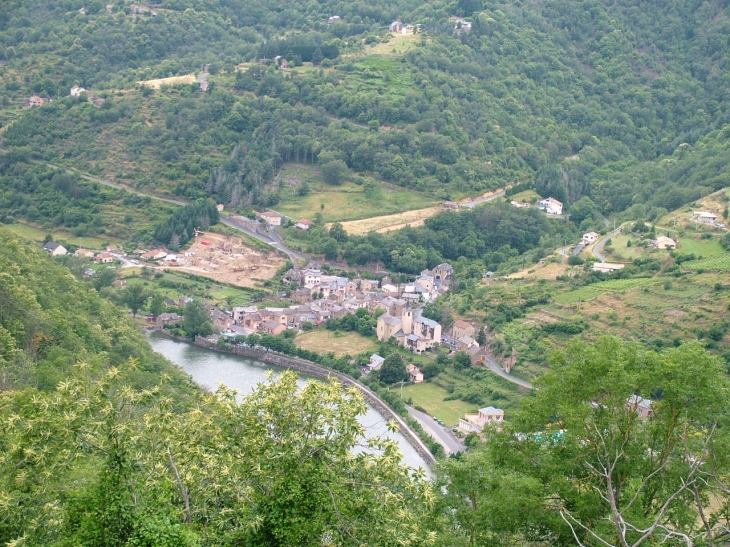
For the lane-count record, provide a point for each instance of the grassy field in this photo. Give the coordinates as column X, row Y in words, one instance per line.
column 590, row 292
column 524, row 197
column 38, row 234
column 430, row 397
column 345, row 202
column 700, row 247
column 173, row 80
column 324, row 341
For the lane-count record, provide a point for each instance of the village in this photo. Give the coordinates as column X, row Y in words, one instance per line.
column 396, row 306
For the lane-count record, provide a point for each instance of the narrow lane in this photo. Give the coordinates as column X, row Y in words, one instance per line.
column 479, row 201
column 494, row 366
column 599, row 246
column 440, row 433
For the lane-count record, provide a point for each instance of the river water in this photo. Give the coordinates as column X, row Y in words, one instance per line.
column 210, row 368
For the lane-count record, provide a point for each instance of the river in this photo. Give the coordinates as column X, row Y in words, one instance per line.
column 210, row 368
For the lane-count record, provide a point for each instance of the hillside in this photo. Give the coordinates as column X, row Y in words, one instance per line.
column 586, row 99
column 661, row 298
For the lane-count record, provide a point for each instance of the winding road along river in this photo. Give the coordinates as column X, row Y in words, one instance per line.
column 210, row 369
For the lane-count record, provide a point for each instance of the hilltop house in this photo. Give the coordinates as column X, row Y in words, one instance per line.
column 303, row 224
column 56, row 249
column 76, row 91
column 476, row 422
column 462, row 328
column 35, row 100
column 704, row 217
column 589, row 238
column 376, row 361
column 551, row 206
column 334, row 19
column 84, row 253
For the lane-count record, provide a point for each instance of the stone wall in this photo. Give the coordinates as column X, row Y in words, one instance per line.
column 307, row 367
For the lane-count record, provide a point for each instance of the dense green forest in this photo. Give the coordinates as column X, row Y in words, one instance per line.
column 57, row 199
column 583, row 99
column 483, row 237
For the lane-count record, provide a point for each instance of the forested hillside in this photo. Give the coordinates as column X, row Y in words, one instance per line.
column 582, row 98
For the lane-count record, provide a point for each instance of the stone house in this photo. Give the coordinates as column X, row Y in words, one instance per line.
column 641, row 406
column 462, row 328
column 166, row 319
column 414, row 374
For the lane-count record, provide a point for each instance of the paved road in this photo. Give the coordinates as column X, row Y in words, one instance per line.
column 478, row 201
column 494, row 366
column 442, row 435
column 599, row 246
column 578, row 249
column 293, row 255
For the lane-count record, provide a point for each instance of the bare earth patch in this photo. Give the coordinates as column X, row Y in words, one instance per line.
column 173, row 80
column 387, row 223
column 226, row 259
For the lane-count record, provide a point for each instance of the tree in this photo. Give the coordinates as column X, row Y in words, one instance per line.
column 337, row 231
column 196, row 321
column 317, row 57
column 134, row 297
column 157, row 305
column 334, row 172
column 586, row 468
column 481, row 337
column 393, row 369
column 462, row 360
column 104, row 278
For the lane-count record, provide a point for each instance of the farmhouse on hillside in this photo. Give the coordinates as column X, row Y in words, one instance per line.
column 551, row 206
column 704, row 217
column 590, row 237
column 56, row 249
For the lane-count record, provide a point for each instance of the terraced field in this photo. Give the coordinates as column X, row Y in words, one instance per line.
column 718, row 262
column 592, row 291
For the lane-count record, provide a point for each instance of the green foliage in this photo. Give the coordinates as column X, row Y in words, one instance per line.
column 579, row 444
column 462, row 360
column 393, row 369
column 494, row 231
column 180, row 227
column 134, row 297
column 196, row 321
column 104, row 277
column 334, row 172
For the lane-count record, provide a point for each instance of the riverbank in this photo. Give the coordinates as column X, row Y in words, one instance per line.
column 284, row 361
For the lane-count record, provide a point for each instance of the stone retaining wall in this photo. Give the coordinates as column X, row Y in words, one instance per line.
column 307, row 367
